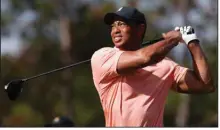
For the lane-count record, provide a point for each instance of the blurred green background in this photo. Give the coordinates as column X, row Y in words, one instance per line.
column 41, row 35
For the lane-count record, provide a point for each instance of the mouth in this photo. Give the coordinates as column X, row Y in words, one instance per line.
column 117, row 39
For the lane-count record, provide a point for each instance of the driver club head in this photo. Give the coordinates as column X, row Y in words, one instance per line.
column 14, row 88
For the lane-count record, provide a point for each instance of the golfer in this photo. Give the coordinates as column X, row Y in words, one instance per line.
column 133, row 82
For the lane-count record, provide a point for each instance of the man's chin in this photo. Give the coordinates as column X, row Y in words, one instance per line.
column 118, row 44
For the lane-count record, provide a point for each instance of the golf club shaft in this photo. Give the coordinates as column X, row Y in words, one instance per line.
column 152, row 41
column 78, row 63
column 56, row 70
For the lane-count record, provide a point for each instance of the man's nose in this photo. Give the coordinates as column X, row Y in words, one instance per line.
column 116, row 29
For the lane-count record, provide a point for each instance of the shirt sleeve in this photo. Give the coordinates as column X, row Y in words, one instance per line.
column 104, row 63
column 178, row 71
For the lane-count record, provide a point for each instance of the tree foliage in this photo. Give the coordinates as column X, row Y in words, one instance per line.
column 41, row 100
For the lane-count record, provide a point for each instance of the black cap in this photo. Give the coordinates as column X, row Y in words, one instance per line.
column 127, row 13
column 60, row 122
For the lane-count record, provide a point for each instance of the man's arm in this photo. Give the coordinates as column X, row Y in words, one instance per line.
column 199, row 79
column 132, row 60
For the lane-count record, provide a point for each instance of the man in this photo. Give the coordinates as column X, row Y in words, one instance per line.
column 133, row 82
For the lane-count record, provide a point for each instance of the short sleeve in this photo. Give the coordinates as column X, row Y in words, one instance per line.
column 178, row 70
column 104, row 63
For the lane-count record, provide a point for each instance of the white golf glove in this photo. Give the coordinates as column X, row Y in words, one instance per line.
column 188, row 33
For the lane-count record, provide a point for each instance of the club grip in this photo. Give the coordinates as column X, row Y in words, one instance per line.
column 151, row 42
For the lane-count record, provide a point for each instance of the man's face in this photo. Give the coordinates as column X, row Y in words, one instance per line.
column 125, row 35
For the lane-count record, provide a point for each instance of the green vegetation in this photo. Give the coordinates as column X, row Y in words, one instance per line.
column 72, row 92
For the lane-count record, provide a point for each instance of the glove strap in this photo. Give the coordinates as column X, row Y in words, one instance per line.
column 190, row 38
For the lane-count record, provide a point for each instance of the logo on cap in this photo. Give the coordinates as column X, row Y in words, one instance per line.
column 120, row 9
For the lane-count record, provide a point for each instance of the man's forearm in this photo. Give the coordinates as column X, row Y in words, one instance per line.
column 156, row 52
column 200, row 64
column 132, row 60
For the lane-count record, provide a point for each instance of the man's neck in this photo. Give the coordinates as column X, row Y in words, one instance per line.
column 130, row 48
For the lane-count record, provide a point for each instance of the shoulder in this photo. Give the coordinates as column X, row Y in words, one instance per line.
column 175, row 66
column 104, row 62
column 168, row 63
column 103, row 50
column 168, row 60
column 103, row 53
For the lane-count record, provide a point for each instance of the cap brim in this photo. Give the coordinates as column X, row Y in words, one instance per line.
column 109, row 18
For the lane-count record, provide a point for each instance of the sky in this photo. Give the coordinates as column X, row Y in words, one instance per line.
column 13, row 44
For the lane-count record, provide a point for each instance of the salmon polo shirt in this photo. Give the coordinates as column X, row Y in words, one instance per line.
column 138, row 98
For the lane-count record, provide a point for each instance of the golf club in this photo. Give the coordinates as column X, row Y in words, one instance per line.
column 14, row 87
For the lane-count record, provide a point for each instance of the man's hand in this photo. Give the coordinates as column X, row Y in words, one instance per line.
column 176, row 35
column 188, row 34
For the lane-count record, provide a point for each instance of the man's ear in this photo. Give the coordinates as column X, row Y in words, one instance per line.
column 142, row 29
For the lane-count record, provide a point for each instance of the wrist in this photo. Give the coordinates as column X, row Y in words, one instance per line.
column 193, row 43
column 189, row 38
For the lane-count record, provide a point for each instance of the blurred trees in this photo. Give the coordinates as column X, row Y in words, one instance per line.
column 62, row 32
